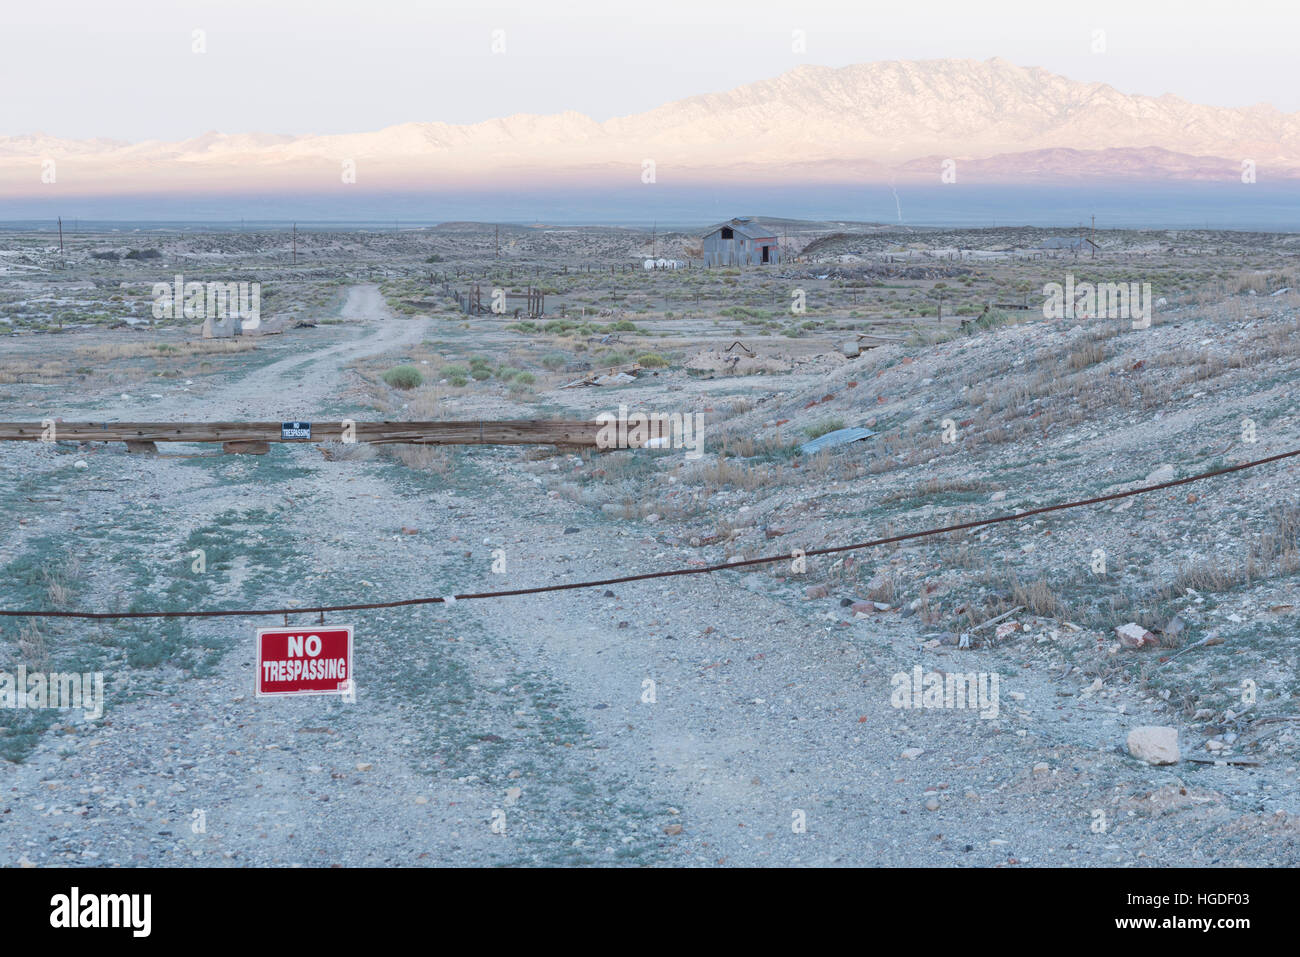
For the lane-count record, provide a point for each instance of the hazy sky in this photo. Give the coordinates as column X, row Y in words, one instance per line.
column 126, row 68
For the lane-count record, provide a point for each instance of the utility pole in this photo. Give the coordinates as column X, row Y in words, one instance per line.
column 295, row 244
column 60, row 235
column 498, row 240
column 1092, row 233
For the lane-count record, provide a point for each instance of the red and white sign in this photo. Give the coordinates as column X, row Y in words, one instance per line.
column 304, row 660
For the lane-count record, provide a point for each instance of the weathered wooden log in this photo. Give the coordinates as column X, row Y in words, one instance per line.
column 504, row 432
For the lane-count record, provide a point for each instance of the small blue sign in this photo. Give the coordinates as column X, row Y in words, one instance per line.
column 295, row 430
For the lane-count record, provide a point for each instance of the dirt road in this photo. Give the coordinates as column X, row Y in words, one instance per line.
column 698, row 721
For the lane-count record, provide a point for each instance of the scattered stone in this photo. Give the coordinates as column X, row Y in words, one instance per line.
column 1006, row 629
column 1134, row 635
column 1154, row 744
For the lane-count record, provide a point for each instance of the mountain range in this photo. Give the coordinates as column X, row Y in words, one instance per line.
column 872, row 122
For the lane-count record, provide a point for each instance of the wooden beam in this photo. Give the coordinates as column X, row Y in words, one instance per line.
column 503, row 432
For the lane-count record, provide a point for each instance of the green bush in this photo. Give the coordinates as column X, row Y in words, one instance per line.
column 403, row 377
column 478, row 373
column 652, row 360
column 525, row 378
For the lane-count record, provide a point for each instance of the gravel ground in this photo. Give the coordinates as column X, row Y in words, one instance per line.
column 698, row 721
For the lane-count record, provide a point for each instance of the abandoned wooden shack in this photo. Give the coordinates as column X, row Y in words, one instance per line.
column 741, row 242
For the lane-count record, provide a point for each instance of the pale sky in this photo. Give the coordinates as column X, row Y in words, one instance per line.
column 125, row 69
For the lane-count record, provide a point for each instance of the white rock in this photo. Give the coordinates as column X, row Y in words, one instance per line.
column 1154, row 744
column 80, row 464
column 912, row 753
column 1163, row 473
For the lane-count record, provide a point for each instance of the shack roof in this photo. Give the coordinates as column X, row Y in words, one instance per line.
column 746, row 228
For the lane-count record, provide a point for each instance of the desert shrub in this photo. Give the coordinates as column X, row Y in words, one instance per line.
column 403, row 377
column 652, row 360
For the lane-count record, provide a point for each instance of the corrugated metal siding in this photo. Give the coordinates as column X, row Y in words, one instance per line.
column 740, row 251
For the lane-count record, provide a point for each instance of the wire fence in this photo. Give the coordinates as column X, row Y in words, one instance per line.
column 645, row 576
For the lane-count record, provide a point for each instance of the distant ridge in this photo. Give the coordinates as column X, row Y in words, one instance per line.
column 871, row 122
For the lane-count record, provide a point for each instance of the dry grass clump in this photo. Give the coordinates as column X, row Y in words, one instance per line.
column 436, row 459
column 718, row 470
column 936, row 486
column 153, row 350
column 33, row 649
column 1038, row 599
column 1274, row 551
column 1089, row 354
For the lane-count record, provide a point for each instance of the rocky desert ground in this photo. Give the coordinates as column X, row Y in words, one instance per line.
column 737, row 718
